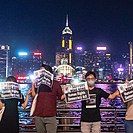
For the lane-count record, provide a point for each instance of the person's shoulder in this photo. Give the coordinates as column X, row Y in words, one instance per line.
column 97, row 89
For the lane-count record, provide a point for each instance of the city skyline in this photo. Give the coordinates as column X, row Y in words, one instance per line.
column 38, row 24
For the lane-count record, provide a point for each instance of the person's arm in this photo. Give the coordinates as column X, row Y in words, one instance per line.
column 24, row 104
column 63, row 97
column 33, row 92
column 1, row 105
column 65, row 89
column 113, row 95
column 106, row 95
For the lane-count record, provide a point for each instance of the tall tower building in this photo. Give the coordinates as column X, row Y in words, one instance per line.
column 66, row 45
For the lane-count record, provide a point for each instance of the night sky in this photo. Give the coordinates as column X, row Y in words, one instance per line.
column 37, row 24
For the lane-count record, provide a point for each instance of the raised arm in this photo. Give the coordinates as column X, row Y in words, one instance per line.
column 115, row 94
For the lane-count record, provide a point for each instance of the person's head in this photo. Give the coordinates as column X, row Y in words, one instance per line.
column 90, row 78
column 11, row 78
column 47, row 67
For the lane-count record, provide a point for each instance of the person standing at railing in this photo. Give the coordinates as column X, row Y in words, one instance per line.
column 10, row 119
column 129, row 115
column 45, row 110
column 90, row 113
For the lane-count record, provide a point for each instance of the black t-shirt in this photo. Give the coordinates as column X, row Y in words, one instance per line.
column 90, row 108
column 10, row 119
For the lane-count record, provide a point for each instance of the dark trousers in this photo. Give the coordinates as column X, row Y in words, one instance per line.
column 46, row 124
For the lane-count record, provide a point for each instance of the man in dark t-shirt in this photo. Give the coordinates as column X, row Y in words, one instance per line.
column 90, row 114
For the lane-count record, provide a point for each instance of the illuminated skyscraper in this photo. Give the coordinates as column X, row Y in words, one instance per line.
column 66, row 51
column 103, row 63
column 4, row 60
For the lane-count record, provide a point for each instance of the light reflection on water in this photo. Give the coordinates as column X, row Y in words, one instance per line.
column 27, row 123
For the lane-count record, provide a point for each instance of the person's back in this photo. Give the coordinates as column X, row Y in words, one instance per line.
column 10, row 119
column 46, row 101
column 45, row 110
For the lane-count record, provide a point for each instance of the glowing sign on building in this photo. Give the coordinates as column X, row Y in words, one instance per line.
column 37, row 54
column 102, row 48
column 22, row 53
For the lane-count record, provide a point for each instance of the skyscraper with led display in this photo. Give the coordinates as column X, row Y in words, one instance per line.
column 65, row 55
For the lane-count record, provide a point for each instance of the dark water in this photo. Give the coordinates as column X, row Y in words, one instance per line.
column 68, row 115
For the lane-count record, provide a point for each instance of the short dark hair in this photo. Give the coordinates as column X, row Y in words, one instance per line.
column 12, row 79
column 90, row 73
column 47, row 67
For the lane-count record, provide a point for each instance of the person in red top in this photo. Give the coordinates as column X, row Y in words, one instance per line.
column 45, row 111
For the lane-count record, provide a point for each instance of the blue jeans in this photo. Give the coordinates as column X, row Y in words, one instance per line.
column 129, row 126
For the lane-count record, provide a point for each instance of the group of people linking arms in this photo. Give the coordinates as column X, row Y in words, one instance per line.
column 45, row 111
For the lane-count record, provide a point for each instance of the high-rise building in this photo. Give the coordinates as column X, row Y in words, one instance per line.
column 4, row 61
column 78, row 54
column 85, row 58
column 26, row 63
column 99, row 61
column 103, row 63
column 61, row 59
column 65, row 53
column 89, row 60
